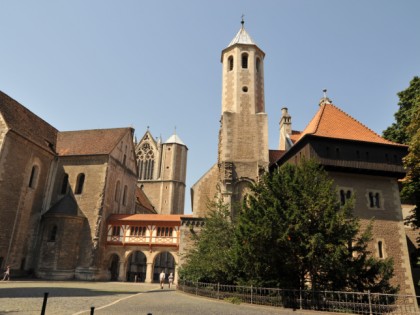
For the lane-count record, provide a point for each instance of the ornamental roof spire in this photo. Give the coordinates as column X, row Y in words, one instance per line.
column 242, row 37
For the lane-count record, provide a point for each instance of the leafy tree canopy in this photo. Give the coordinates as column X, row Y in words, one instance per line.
column 292, row 232
column 406, row 130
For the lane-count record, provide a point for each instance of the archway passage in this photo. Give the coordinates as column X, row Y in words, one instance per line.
column 136, row 267
column 164, row 261
column 114, row 267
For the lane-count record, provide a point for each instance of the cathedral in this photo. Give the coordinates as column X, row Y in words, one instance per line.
column 100, row 205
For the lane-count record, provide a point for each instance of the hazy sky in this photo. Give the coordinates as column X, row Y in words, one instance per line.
column 103, row 64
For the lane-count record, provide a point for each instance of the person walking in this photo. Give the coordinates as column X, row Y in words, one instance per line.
column 162, row 277
column 170, row 279
column 6, row 274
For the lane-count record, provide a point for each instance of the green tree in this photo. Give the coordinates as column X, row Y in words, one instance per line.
column 406, row 130
column 209, row 259
column 293, row 231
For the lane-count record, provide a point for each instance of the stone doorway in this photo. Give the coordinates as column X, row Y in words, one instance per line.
column 114, row 263
column 136, row 267
column 164, row 261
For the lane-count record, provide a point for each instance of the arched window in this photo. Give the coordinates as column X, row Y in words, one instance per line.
column 65, row 184
column 53, row 234
column 146, row 160
column 79, row 184
column 380, row 250
column 257, row 65
column 117, row 191
column 230, row 63
column 245, row 61
column 125, row 196
column 34, row 176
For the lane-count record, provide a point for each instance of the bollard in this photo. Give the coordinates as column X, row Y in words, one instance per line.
column 44, row 304
column 92, row 310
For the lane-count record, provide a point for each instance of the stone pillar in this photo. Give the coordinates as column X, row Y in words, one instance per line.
column 121, row 272
column 149, row 273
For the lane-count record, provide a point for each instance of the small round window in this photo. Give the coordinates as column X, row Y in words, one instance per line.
column 245, row 89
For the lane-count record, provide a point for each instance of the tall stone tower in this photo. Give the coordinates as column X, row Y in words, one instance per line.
column 162, row 171
column 243, row 136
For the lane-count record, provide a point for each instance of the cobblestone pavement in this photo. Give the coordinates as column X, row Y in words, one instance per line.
column 74, row 297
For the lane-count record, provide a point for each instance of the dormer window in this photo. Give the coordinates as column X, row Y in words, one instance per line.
column 245, row 61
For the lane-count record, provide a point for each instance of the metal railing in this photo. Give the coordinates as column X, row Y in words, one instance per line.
column 329, row 301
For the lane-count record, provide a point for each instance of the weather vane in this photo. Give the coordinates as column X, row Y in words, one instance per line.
column 242, row 21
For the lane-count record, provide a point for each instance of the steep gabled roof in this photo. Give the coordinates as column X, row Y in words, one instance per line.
column 275, row 155
column 21, row 120
column 143, row 201
column 89, row 142
column 332, row 122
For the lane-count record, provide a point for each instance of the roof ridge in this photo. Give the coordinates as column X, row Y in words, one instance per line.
column 359, row 122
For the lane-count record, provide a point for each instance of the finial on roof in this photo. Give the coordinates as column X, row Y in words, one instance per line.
column 147, row 128
column 175, row 130
column 325, row 99
column 242, row 20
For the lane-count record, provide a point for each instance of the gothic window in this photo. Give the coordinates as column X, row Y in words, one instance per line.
column 146, row 160
column 65, row 184
column 257, row 65
column 34, row 176
column 245, row 61
column 230, row 63
column 125, row 196
column 79, row 184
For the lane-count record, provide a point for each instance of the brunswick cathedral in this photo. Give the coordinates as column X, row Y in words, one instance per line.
column 100, row 205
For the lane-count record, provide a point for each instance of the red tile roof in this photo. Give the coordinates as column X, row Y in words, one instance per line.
column 332, row 122
column 275, row 155
column 143, row 201
column 21, row 120
column 89, row 142
column 163, row 218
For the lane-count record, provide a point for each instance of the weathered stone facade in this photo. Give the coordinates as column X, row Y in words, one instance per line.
column 162, row 169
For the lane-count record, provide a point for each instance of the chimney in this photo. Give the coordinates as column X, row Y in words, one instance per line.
column 285, row 129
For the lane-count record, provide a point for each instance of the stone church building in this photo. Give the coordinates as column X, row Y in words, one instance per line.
column 100, row 205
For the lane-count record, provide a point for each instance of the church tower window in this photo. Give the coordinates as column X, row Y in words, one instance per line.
column 245, row 61
column 257, row 65
column 79, row 184
column 230, row 63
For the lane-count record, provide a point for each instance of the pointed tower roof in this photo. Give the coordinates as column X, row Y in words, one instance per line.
column 175, row 139
column 242, row 37
column 332, row 122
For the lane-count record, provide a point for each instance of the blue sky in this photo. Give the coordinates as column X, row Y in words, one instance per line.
column 104, row 64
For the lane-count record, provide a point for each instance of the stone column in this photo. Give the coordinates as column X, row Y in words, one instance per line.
column 121, row 272
column 149, row 273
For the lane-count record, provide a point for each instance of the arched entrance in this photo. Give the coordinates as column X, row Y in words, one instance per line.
column 113, row 267
column 164, row 261
column 136, row 267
